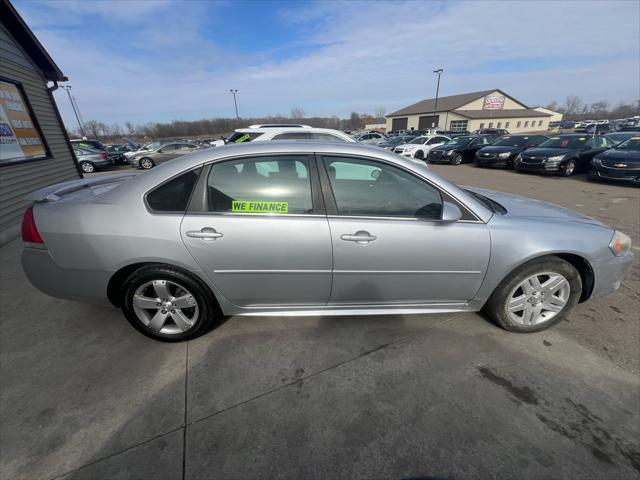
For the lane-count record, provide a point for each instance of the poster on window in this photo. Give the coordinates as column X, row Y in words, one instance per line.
column 493, row 102
column 19, row 138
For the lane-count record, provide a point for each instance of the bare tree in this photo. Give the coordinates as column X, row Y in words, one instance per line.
column 379, row 112
column 573, row 105
column 94, row 128
column 130, row 128
column 297, row 113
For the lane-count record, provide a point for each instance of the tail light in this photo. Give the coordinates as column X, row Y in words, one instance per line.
column 103, row 155
column 29, row 230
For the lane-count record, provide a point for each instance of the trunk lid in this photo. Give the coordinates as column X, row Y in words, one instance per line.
column 85, row 189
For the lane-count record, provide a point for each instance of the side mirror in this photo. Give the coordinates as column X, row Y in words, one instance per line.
column 450, row 213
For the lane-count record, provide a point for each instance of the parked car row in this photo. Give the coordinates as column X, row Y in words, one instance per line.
column 602, row 157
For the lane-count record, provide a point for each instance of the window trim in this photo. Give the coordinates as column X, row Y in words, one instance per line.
column 36, row 125
column 199, row 202
column 332, row 208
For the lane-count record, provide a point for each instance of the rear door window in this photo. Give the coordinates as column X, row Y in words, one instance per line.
column 273, row 185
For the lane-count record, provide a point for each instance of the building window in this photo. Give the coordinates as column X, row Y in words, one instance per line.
column 19, row 132
column 540, row 123
column 506, row 125
column 459, row 125
column 490, row 124
column 499, row 125
column 526, row 124
column 519, row 123
column 481, row 126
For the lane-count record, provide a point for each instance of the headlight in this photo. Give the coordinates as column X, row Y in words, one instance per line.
column 620, row 243
column 557, row 158
column 519, row 158
column 504, row 155
column 596, row 161
column 451, row 152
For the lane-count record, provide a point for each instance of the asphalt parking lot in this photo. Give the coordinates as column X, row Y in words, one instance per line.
column 447, row 396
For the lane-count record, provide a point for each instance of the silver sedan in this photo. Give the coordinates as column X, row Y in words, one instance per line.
column 280, row 228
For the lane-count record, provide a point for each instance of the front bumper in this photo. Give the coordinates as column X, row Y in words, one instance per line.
column 608, row 274
column 543, row 167
column 493, row 162
column 50, row 278
column 437, row 157
column 618, row 174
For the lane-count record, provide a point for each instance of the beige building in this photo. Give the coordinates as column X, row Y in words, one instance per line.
column 470, row 111
column 555, row 116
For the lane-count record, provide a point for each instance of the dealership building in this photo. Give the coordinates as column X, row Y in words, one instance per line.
column 470, row 111
column 34, row 147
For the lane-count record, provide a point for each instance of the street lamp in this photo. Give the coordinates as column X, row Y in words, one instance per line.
column 235, row 102
column 435, row 107
column 73, row 105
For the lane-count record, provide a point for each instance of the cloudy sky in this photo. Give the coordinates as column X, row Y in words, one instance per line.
column 162, row 60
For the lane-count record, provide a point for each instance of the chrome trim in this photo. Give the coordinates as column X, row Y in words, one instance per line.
column 412, row 219
column 257, row 214
column 395, row 272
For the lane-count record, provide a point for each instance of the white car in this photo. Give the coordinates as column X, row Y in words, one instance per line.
column 261, row 133
column 371, row 137
column 420, row 146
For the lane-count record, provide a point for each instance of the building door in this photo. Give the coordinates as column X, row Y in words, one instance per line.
column 429, row 121
column 399, row 124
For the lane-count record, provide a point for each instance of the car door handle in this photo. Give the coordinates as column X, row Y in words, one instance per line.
column 207, row 233
column 362, row 237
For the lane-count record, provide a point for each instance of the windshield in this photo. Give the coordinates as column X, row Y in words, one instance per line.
column 564, row 142
column 460, row 141
column 419, row 140
column 509, row 141
column 398, row 140
column 632, row 144
column 492, row 205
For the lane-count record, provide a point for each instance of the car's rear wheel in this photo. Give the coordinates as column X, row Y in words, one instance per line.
column 146, row 163
column 87, row 167
column 569, row 168
column 457, row 159
column 167, row 304
column 419, row 155
column 535, row 296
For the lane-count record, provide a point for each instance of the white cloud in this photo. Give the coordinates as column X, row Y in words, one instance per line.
column 352, row 56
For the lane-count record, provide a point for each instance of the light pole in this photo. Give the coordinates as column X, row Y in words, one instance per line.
column 435, row 107
column 73, row 105
column 235, row 102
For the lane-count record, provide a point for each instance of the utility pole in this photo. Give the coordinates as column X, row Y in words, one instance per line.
column 73, row 105
column 235, row 102
column 435, row 107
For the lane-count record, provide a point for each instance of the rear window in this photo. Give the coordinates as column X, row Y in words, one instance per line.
column 242, row 137
column 173, row 196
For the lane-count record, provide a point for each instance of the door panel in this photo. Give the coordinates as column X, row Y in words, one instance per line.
column 264, row 260
column 410, row 261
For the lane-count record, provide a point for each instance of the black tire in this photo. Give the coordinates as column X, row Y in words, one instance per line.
column 87, row 167
column 457, row 159
column 496, row 306
column 146, row 163
column 209, row 314
column 569, row 168
column 419, row 155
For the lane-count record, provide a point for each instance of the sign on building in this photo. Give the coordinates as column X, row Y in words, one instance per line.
column 19, row 137
column 493, row 102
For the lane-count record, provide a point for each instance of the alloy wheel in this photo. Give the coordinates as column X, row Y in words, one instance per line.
column 87, row 167
column 538, row 298
column 165, row 307
column 146, row 163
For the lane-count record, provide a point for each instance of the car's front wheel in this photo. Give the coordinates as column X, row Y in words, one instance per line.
column 87, row 167
column 419, row 155
column 168, row 304
column 569, row 168
column 457, row 159
column 146, row 163
column 535, row 296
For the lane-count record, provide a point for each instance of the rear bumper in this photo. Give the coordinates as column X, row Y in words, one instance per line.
column 50, row 278
column 609, row 273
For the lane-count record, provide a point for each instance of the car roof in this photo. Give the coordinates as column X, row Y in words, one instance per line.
column 254, row 129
